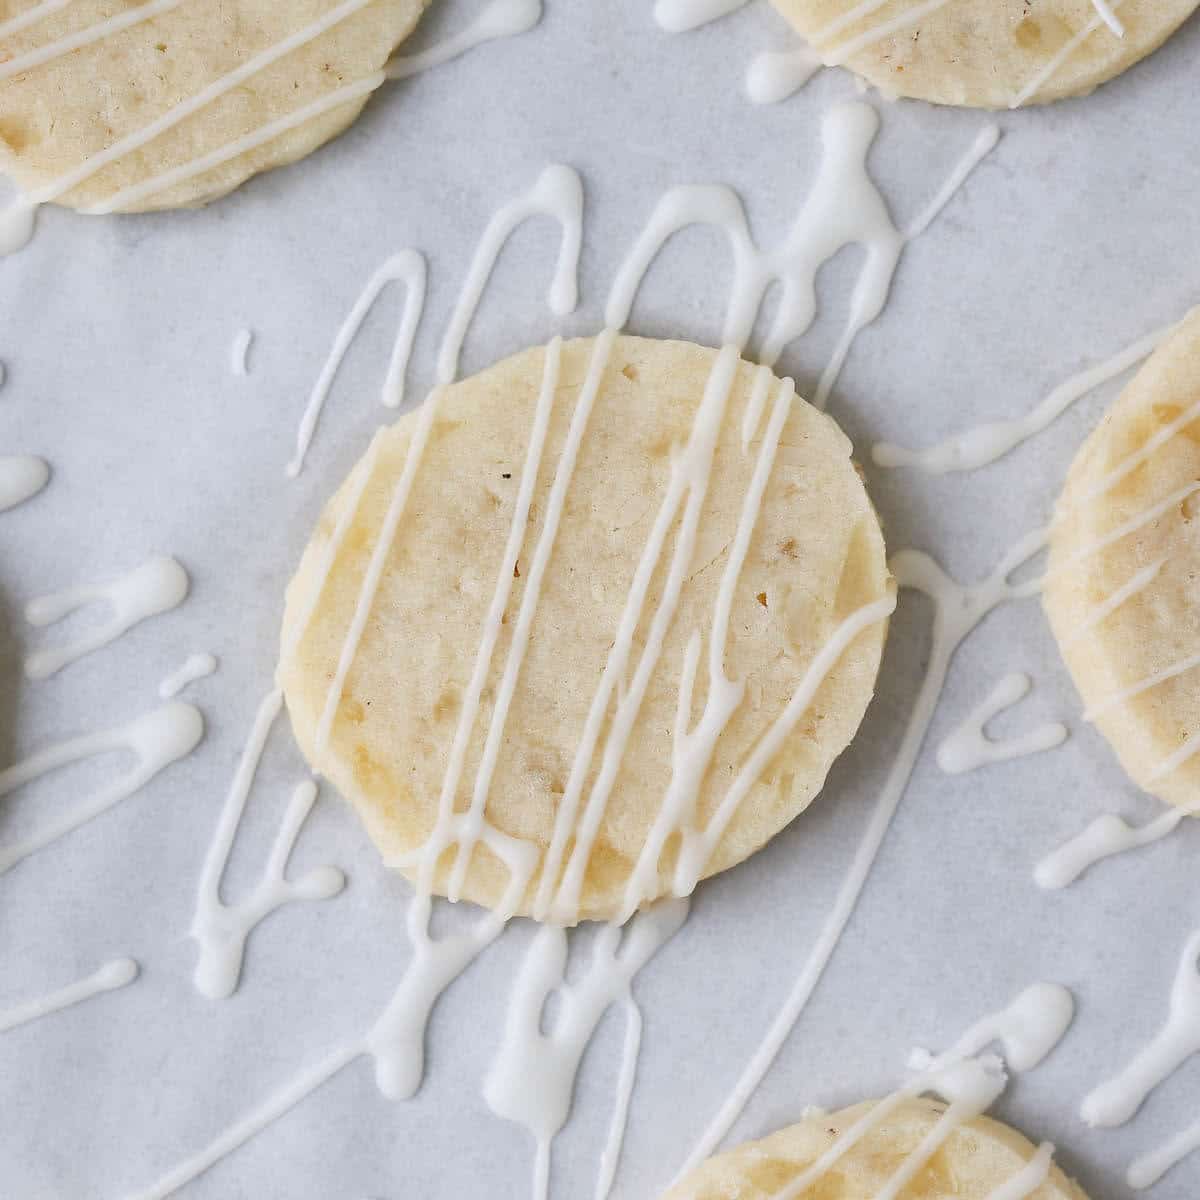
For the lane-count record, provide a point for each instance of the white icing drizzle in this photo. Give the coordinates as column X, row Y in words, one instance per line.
column 159, row 585
column 1118, row 1099
column 32, row 16
column 407, row 267
column 156, row 740
column 679, row 16
column 774, row 75
column 957, row 610
column 610, row 1156
column 1137, row 582
column 113, row 975
column 196, row 666
column 839, row 53
column 1181, row 667
column 985, row 142
column 968, row 747
column 532, row 1079
column 1106, row 836
column 1147, row 1169
column 1105, row 15
column 221, row 929
column 21, row 63
column 17, row 220
column 239, row 351
column 558, row 193
column 986, row 443
column 1029, row 1178
column 21, row 478
column 500, row 19
column 967, row 1079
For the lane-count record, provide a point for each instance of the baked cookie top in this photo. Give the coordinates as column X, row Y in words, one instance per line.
column 986, row 53
column 1123, row 578
column 566, row 689
column 124, row 106
column 975, row 1161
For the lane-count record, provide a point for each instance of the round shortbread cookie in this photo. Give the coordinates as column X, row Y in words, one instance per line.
column 164, row 93
column 976, row 1159
column 815, row 557
column 985, row 53
column 1123, row 579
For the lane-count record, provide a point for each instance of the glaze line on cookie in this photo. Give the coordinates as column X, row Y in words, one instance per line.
column 195, row 666
column 406, row 267
column 118, row 973
column 1104, row 13
column 221, row 929
column 22, row 476
column 156, row 740
column 159, row 585
column 500, row 19
column 992, row 440
column 774, row 75
column 968, row 747
column 1029, row 1178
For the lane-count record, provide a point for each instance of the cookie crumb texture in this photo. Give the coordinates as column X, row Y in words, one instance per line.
column 816, row 556
column 1127, row 615
column 59, row 113
column 984, row 53
column 976, row 1159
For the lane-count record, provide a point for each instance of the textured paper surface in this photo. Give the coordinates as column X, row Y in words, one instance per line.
column 1076, row 236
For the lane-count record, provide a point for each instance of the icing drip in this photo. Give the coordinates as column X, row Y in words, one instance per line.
column 157, row 586
column 21, row 478
column 533, row 1077
column 1104, row 837
column 773, row 76
column 156, row 740
column 221, row 929
column 113, row 975
column 1118, row 1099
column 968, row 1080
column 197, row 666
column 610, row 1156
column 957, row 611
column 500, row 19
column 986, row 443
column 678, row 16
column 968, row 747
column 407, row 267
column 239, row 352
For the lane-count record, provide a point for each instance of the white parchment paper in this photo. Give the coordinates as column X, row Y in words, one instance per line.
column 1077, row 235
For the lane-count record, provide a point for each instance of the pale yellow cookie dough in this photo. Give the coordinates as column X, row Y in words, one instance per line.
column 975, row 1160
column 55, row 116
column 816, row 556
column 984, row 53
column 1159, row 626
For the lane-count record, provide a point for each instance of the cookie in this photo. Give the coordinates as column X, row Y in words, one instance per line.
column 111, row 105
column 1123, row 578
column 985, row 53
column 974, row 1163
column 597, row 766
